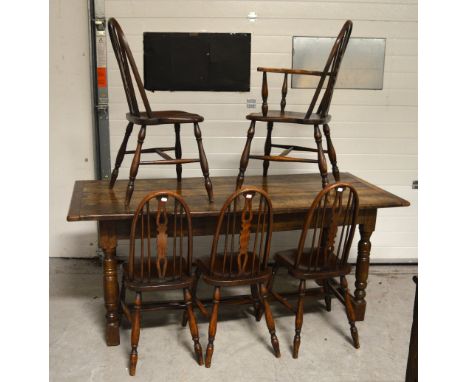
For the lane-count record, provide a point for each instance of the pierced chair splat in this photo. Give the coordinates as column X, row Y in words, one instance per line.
column 316, row 115
column 239, row 256
column 127, row 67
column 329, row 230
column 159, row 264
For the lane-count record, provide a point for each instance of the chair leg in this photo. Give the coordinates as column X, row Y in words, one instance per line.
column 212, row 327
column 244, row 161
column 195, row 299
column 120, row 155
column 350, row 312
column 299, row 318
column 194, row 295
column 178, row 151
column 184, row 318
column 274, row 271
column 256, row 297
column 269, row 287
column 121, row 298
column 203, row 162
column 135, row 336
column 269, row 320
column 195, row 283
column 331, row 153
column 135, row 165
column 193, row 326
column 266, row 163
column 322, row 162
column 327, row 291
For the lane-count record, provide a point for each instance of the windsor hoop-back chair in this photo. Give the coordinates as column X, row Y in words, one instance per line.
column 316, row 115
column 149, row 117
column 329, row 230
column 239, row 256
column 160, row 264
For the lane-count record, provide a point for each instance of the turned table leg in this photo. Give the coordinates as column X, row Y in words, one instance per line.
column 362, row 264
column 108, row 243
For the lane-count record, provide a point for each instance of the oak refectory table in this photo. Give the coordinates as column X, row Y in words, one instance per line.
column 291, row 195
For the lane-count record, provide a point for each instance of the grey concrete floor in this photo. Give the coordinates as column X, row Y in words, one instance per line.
column 242, row 348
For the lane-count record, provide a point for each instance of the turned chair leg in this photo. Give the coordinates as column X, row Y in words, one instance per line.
column 193, row 326
column 120, row 155
column 326, row 288
column 244, row 161
column 256, row 297
column 178, row 151
column 184, row 319
column 194, row 298
column 274, row 271
column 203, row 162
column 269, row 320
column 350, row 312
column 269, row 288
column 135, row 165
column 299, row 318
column 121, row 298
column 331, row 153
column 135, row 336
column 322, row 162
column 212, row 327
column 266, row 163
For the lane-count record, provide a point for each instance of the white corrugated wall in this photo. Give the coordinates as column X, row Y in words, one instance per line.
column 374, row 131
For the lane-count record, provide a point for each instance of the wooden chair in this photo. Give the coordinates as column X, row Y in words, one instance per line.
column 239, row 256
column 151, row 267
column 316, row 115
column 329, row 228
column 124, row 57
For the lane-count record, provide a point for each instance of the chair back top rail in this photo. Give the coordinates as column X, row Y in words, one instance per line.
column 329, row 229
column 124, row 57
column 241, row 244
column 166, row 216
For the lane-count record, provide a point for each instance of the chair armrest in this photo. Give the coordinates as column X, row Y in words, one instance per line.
column 291, row 71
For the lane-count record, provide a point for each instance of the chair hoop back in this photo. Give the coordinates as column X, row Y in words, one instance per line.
column 166, row 216
column 331, row 70
column 329, row 229
column 246, row 222
column 124, row 57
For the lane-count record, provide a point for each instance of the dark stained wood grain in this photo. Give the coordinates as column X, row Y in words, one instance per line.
column 290, row 194
column 292, row 71
column 288, row 117
column 291, row 197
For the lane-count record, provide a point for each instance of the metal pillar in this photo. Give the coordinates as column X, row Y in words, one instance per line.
column 98, row 62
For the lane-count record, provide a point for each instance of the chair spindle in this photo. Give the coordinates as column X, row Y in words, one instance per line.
column 265, row 94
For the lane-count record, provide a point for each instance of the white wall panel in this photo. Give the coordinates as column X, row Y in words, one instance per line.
column 70, row 131
column 375, row 132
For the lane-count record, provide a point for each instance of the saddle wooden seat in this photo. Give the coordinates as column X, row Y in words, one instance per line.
column 164, row 117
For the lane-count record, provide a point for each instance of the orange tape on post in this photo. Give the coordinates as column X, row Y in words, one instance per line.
column 101, row 77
